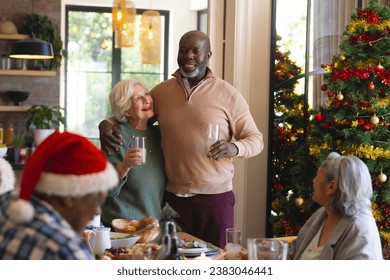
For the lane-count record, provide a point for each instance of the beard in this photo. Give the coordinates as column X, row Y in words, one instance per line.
column 189, row 75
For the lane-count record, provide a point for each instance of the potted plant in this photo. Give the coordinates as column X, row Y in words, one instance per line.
column 44, row 120
column 13, row 151
column 44, row 29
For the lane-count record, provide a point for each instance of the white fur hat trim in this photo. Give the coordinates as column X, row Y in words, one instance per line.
column 7, row 176
column 21, row 211
column 77, row 185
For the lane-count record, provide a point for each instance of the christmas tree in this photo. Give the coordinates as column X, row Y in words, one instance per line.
column 288, row 136
column 356, row 118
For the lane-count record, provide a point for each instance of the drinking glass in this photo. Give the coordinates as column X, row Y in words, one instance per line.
column 233, row 235
column 212, row 134
column 140, row 142
column 233, row 243
column 266, row 249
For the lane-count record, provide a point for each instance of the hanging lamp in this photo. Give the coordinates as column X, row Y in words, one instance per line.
column 150, row 37
column 32, row 47
column 123, row 23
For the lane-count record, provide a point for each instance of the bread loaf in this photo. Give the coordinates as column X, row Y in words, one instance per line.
column 124, row 225
column 149, row 235
column 146, row 221
column 148, row 227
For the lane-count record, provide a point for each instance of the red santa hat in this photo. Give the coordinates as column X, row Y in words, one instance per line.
column 7, row 177
column 64, row 164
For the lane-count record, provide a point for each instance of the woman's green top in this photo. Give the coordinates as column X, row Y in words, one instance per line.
column 140, row 193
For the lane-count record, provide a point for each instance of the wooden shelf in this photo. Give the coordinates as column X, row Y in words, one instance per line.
column 28, row 73
column 13, row 36
column 14, row 108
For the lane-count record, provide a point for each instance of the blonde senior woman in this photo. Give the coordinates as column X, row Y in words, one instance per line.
column 141, row 185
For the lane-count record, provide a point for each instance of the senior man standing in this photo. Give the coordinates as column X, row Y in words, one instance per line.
column 200, row 182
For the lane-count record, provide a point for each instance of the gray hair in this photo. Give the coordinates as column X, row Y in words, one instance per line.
column 353, row 178
column 120, row 98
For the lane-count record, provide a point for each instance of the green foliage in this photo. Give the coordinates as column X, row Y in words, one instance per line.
column 44, row 117
column 288, row 135
column 356, row 119
column 18, row 140
column 43, row 28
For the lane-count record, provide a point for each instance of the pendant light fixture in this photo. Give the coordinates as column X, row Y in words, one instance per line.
column 123, row 23
column 150, row 37
column 32, row 48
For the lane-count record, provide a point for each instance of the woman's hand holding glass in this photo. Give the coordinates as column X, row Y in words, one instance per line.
column 133, row 157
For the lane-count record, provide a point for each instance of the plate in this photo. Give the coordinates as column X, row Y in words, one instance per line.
column 197, row 251
column 212, row 253
column 208, row 253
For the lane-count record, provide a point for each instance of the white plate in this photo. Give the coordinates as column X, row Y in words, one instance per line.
column 209, row 253
column 191, row 251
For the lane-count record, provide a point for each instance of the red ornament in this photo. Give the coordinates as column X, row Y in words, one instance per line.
column 371, row 86
column 319, row 117
column 324, row 87
column 330, row 94
column 368, row 126
column 277, row 186
column 326, row 124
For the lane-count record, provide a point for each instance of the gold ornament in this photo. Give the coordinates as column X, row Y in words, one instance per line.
column 374, row 120
column 342, row 57
column 299, row 201
column 340, row 96
column 382, row 177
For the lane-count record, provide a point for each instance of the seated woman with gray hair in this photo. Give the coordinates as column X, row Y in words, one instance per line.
column 344, row 227
column 141, row 186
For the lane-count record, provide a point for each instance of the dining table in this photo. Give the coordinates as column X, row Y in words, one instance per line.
column 215, row 251
column 149, row 250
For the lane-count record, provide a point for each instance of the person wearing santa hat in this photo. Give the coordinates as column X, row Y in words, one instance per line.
column 64, row 183
column 7, row 182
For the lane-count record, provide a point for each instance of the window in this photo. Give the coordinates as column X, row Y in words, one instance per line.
column 93, row 66
column 306, row 34
column 202, row 20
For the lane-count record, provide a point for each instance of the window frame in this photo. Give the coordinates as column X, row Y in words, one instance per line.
column 116, row 52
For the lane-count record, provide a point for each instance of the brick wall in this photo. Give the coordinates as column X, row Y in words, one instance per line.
column 44, row 90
